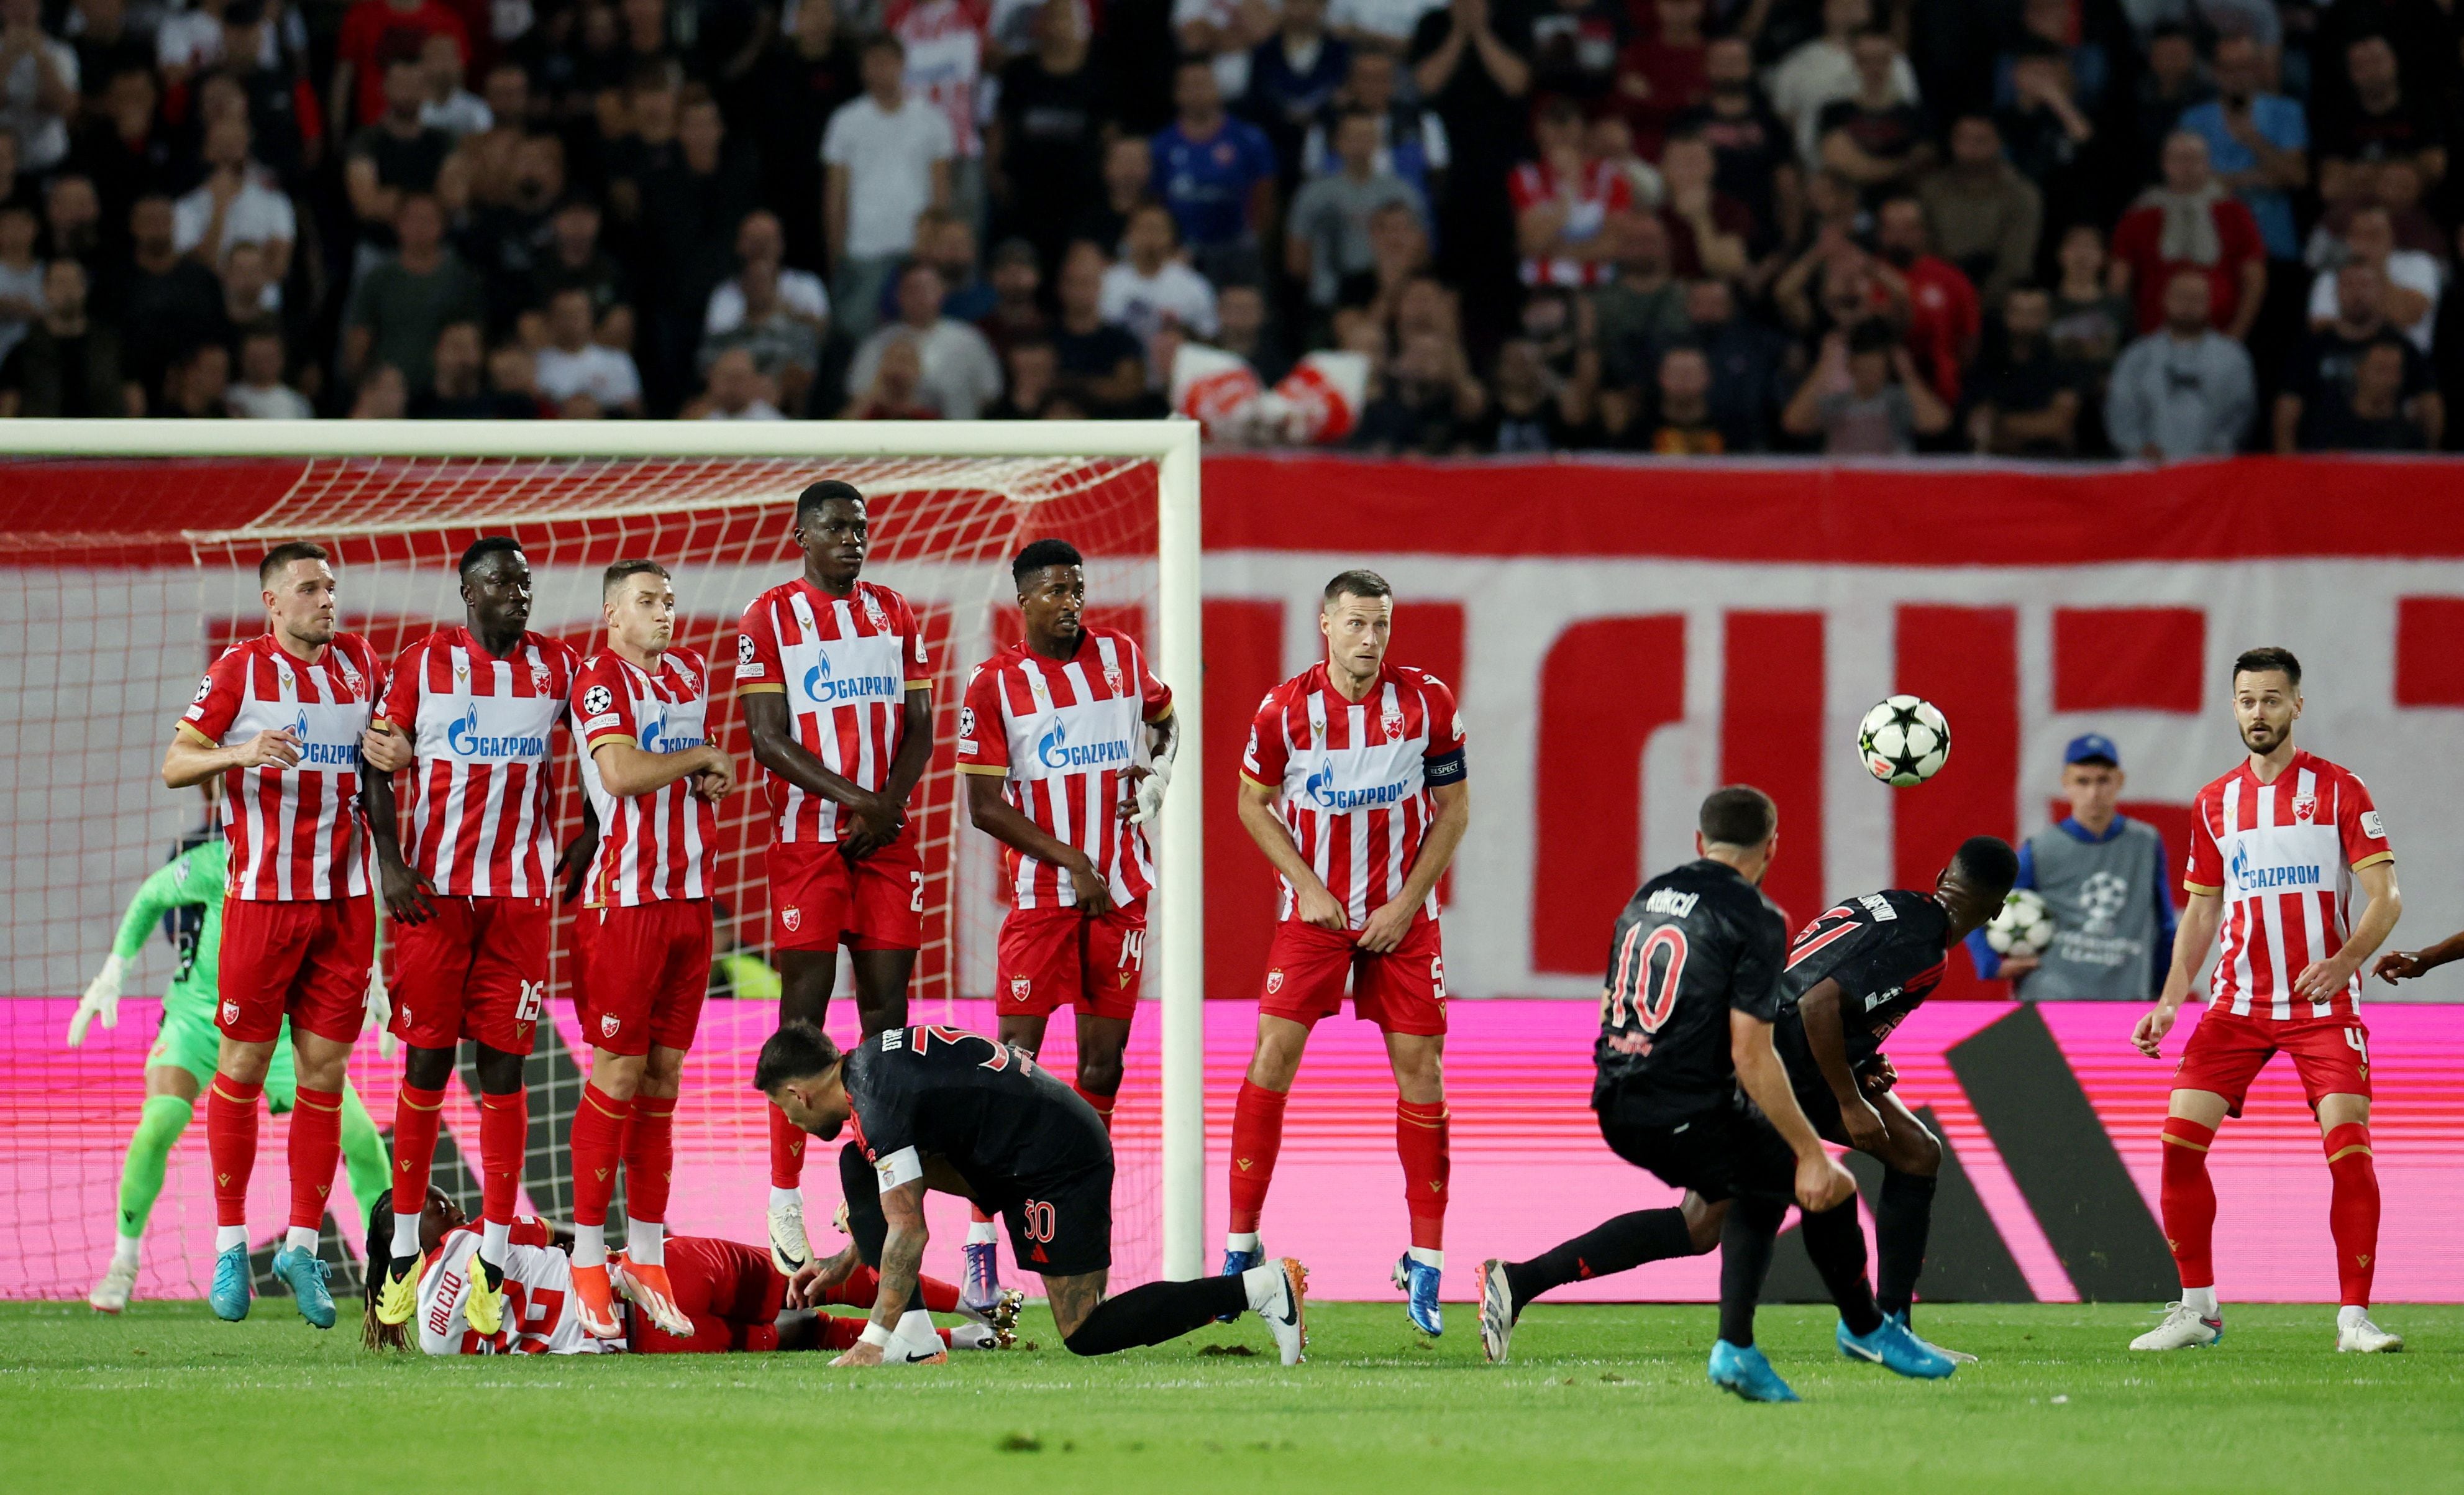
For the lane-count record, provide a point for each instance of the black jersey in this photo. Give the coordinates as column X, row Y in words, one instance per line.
column 1691, row 946
column 990, row 1110
column 1886, row 950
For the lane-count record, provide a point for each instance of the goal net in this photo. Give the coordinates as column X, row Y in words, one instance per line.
column 133, row 572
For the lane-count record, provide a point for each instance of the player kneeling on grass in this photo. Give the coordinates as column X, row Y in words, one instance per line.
column 734, row 1299
column 953, row 1111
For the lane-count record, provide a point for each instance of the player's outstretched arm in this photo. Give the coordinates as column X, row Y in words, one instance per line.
column 902, row 1262
column 2322, row 979
column 2405, row 966
column 1392, row 921
column 773, row 732
column 1316, row 905
column 1827, row 1037
column 192, row 760
column 2202, row 915
column 167, row 888
column 990, row 811
column 1820, row 1183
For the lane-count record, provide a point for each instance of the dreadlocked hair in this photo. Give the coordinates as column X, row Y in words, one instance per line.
column 376, row 1336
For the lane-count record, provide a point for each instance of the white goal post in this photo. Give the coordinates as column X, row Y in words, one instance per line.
column 1170, row 444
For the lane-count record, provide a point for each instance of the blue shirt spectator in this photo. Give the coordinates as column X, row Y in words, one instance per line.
column 1209, row 167
column 2235, row 124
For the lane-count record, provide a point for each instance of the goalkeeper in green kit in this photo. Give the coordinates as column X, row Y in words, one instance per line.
column 181, row 1064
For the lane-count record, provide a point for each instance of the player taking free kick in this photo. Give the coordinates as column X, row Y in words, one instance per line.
column 278, row 718
column 1067, row 742
column 831, row 676
column 642, row 708
column 1366, row 760
column 2275, row 846
column 469, row 711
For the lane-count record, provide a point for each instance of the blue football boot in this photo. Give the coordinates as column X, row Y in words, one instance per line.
column 1893, row 1348
column 1745, row 1371
column 1419, row 1282
column 306, row 1276
column 230, row 1293
column 1235, row 1263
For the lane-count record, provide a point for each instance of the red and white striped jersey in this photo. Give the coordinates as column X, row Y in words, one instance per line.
column 295, row 832
column 660, row 844
column 1597, row 191
column 2281, row 857
column 1066, row 735
column 479, row 802
column 1355, row 777
column 539, row 1318
column 945, row 58
column 845, row 664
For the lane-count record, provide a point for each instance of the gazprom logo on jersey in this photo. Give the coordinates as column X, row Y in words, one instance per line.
column 826, row 689
column 314, row 754
column 655, row 739
column 1058, row 753
column 2252, row 878
column 466, row 740
column 1319, row 789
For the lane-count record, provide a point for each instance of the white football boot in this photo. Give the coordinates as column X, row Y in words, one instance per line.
column 2356, row 1334
column 2183, row 1329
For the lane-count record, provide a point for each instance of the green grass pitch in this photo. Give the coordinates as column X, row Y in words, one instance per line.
column 164, row 1399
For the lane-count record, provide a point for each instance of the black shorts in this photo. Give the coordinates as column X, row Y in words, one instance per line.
column 1726, row 1153
column 1062, row 1226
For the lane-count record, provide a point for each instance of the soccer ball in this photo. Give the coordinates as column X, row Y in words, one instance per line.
column 2024, row 927
column 1904, row 740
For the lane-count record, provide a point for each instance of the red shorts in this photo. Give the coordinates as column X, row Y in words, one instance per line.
column 820, row 900
column 474, row 968
column 1055, row 958
column 730, row 1292
column 1403, row 991
column 2331, row 1056
column 648, row 971
column 307, row 959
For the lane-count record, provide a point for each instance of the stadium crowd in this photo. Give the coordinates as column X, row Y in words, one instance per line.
column 2047, row 228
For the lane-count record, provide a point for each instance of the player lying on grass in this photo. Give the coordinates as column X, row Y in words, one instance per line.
column 952, row 1111
column 732, row 1297
column 187, row 897
column 1695, row 984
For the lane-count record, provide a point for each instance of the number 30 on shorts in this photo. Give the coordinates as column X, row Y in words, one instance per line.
column 1037, row 1222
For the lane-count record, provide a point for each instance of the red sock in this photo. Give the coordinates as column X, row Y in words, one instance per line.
column 940, row 1297
column 417, row 1115
column 1103, row 1104
column 786, row 1151
column 2190, row 1200
column 597, row 1142
column 230, row 1143
column 504, row 1137
column 861, row 1287
column 1420, row 1142
column 2353, row 1209
column 1257, row 1136
column 649, row 1157
column 316, row 1146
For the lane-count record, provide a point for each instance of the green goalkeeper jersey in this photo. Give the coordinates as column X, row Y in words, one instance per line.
column 192, row 879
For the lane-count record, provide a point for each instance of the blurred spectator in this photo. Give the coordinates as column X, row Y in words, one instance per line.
column 1944, row 319
column 38, row 87
column 1044, row 151
column 2395, row 186
column 248, row 293
column 1411, row 140
column 1103, row 369
column 2059, row 24
column 513, row 371
column 2357, row 384
column 1563, row 203
column 2382, row 123
column 1640, row 313
column 444, row 103
column 2256, row 143
column 1575, row 45
column 2190, row 222
column 1293, row 77
column 946, row 241
column 382, row 397
column 1709, row 234
column 72, row 220
column 1327, row 234
column 1864, row 397
column 1129, row 169
column 123, row 146
column 1754, row 157
column 509, row 235
column 1217, row 175
column 378, row 32
column 1984, row 215
column 1244, row 328
column 105, row 42
column 889, row 158
column 956, row 374
column 196, row 386
column 2409, row 280
column 735, row 391
column 1823, row 72
column 1384, row 26
column 1149, row 289
column 399, row 307
column 2027, row 403
column 890, row 391
column 2091, row 323
column 1223, row 33
column 2186, row 389
column 2171, row 84
column 572, row 364
column 21, row 274
column 168, row 303
column 260, row 393
column 1016, row 284
column 1608, row 141
column 1681, row 423
column 793, row 89
column 1558, row 321
column 1876, row 137
column 1472, row 63
column 238, row 203
column 945, row 65
column 575, row 261
column 67, row 365
column 761, row 249
column 1427, row 403
column 1663, row 72
column 396, row 157
column 783, row 339
column 455, row 390
column 1748, row 364
column 1034, row 376
column 1530, row 408
column 2051, row 139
